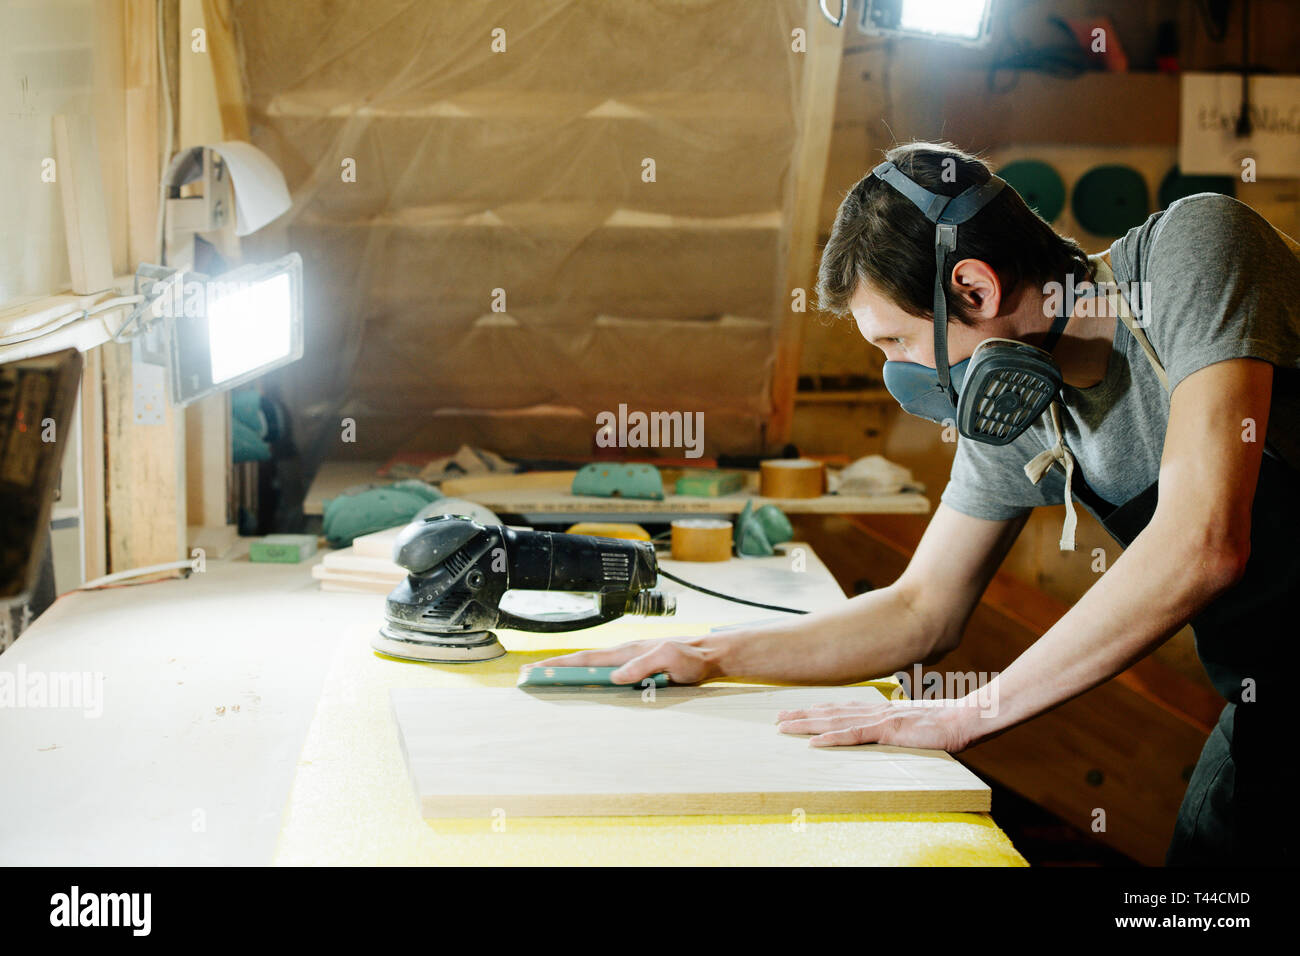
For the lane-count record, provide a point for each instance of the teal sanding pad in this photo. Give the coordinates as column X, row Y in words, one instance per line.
column 608, row 480
column 1110, row 200
column 282, row 548
column 1039, row 186
column 579, row 677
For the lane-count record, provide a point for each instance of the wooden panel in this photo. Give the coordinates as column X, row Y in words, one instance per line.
column 225, row 69
column 803, row 205
column 207, row 461
column 143, row 152
column 690, row 750
column 144, row 464
column 1035, row 111
column 145, row 473
column 90, row 256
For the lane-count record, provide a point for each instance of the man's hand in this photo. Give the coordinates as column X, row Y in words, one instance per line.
column 929, row 725
column 685, row 662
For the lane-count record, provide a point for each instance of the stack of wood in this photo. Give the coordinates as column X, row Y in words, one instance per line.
column 366, row 567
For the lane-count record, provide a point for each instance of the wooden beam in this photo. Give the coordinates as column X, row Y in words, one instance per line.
column 144, row 463
column 94, row 542
column 208, row 461
column 224, row 53
column 212, row 109
column 813, row 122
column 143, row 143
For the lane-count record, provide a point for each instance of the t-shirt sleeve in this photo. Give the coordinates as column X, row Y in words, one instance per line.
column 989, row 481
column 1222, row 286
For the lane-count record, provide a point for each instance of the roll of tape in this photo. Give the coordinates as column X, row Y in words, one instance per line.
column 791, row 478
column 701, row 539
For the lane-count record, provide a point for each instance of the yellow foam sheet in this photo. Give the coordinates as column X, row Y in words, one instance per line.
column 352, row 802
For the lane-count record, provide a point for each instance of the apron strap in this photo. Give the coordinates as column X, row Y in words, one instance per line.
column 1041, row 463
column 1106, row 275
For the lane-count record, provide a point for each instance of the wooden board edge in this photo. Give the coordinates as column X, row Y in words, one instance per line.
column 487, row 806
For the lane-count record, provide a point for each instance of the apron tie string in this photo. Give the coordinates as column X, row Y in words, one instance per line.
column 1041, row 463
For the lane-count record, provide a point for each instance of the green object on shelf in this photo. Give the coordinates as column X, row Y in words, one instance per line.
column 1039, row 185
column 1110, row 200
column 374, row 508
column 609, row 479
column 282, row 548
column 1176, row 186
column 710, row 484
column 758, row 531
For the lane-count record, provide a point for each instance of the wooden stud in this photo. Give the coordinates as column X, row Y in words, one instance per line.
column 803, row 204
column 94, row 549
column 224, row 53
column 144, row 464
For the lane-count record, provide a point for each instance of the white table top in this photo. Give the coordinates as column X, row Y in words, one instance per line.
column 209, row 686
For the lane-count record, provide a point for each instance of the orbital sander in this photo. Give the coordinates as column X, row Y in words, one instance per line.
column 458, row 570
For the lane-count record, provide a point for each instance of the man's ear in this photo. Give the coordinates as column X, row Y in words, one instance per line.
column 977, row 285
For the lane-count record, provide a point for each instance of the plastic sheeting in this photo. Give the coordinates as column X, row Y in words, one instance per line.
column 486, row 260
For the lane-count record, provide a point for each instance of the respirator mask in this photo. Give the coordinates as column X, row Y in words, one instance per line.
column 997, row 393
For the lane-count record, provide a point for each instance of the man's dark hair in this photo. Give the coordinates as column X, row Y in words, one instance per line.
column 880, row 238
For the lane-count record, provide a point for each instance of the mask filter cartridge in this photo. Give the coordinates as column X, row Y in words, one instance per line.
column 1006, row 387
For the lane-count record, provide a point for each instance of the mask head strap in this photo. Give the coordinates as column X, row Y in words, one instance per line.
column 947, row 213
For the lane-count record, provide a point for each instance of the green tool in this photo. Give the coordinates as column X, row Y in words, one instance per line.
column 757, row 531
column 282, row 548
column 608, row 480
column 710, row 484
column 579, row 677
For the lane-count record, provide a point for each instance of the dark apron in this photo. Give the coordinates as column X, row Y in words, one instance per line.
column 1238, row 803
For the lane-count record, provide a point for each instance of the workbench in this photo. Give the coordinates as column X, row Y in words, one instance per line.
column 245, row 720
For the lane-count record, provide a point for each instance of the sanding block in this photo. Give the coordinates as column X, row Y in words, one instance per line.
column 579, row 677
column 710, row 484
column 282, row 548
column 624, row 481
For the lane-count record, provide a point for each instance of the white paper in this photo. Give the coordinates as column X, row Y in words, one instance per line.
column 1211, row 103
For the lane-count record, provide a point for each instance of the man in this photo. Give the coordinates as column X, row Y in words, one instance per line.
column 1177, row 424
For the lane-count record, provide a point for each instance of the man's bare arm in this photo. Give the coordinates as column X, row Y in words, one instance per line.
column 919, row 617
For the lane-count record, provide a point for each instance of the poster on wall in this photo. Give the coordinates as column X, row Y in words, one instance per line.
column 1208, row 136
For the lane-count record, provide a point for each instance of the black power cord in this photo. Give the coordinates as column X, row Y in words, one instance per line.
column 728, row 597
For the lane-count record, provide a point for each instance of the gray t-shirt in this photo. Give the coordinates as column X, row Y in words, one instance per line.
column 1222, row 284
